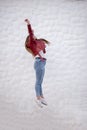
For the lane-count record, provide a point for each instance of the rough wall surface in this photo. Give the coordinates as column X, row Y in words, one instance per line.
column 64, row 24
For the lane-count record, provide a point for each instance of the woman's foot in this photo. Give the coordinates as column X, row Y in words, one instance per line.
column 43, row 101
column 39, row 103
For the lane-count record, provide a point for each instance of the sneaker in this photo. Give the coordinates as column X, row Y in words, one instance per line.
column 43, row 101
column 39, row 103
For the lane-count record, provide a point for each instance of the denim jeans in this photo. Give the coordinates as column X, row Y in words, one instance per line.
column 39, row 67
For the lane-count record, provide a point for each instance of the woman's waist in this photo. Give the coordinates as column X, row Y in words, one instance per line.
column 40, row 58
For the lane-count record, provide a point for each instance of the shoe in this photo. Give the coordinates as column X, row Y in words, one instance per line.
column 39, row 103
column 43, row 101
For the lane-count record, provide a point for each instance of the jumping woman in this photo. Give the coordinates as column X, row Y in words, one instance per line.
column 37, row 47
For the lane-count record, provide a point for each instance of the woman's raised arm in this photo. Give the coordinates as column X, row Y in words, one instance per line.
column 30, row 30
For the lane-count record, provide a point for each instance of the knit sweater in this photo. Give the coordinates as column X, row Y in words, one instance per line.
column 36, row 45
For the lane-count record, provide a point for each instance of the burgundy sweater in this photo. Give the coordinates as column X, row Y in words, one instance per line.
column 36, row 45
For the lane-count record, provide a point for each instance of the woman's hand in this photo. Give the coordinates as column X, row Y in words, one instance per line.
column 27, row 21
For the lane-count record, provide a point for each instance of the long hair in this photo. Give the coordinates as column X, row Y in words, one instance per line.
column 28, row 49
column 27, row 42
column 45, row 41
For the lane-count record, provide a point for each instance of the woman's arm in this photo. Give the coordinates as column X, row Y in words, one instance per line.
column 30, row 31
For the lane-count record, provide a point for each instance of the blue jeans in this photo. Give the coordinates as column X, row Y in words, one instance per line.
column 39, row 67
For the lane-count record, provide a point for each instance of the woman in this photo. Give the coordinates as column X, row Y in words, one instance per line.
column 37, row 48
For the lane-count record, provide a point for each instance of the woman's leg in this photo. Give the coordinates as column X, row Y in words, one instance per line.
column 40, row 70
column 38, row 83
column 42, row 76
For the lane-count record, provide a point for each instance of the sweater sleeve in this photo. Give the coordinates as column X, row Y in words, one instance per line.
column 30, row 40
column 30, row 31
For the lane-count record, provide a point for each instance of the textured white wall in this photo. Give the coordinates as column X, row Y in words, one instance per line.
column 64, row 24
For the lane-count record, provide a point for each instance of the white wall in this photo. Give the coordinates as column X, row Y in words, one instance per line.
column 64, row 24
